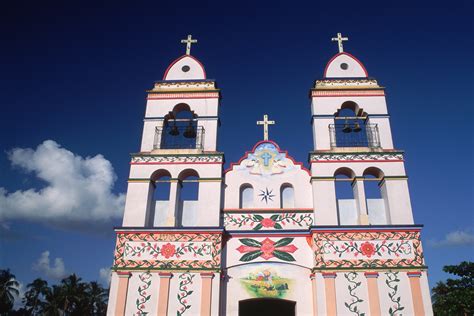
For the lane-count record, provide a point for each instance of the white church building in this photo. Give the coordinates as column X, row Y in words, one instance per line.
column 268, row 235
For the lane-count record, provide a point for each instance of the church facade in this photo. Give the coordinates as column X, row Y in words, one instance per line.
column 268, row 236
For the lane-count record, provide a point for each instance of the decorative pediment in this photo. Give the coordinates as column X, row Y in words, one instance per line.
column 266, row 159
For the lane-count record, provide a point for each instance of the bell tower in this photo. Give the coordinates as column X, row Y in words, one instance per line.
column 178, row 149
column 353, row 143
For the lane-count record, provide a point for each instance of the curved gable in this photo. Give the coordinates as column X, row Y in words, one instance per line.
column 344, row 65
column 185, row 67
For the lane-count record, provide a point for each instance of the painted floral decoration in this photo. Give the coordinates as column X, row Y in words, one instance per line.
column 367, row 249
column 277, row 221
column 266, row 249
column 168, row 250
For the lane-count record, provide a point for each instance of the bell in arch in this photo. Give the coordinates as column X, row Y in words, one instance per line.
column 346, row 128
column 357, row 127
column 190, row 132
column 174, row 130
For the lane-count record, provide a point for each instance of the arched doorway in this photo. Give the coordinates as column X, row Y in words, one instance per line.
column 267, row 307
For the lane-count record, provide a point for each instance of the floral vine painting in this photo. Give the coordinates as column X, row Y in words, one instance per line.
column 184, row 292
column 266, row 282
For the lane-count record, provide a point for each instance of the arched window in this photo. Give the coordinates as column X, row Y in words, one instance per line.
column 287, row 196
column 246, row 196
column 346, row 204
column 350, row 128
column 158, row 206
column 188, row 198
column 180, row 129
column 376, row 203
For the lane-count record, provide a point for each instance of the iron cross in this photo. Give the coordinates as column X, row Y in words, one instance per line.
column 189, row 41
column 339, row 39
column 265, row 124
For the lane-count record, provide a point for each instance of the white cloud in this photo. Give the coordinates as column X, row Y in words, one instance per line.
column 21, row 294
column 455, row 238
column 43, row 265
column 105, row 275
column 78, row 190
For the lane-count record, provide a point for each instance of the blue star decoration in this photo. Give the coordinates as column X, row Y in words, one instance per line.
column 266, row 195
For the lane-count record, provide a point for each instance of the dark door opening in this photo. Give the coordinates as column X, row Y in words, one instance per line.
column 266, row 307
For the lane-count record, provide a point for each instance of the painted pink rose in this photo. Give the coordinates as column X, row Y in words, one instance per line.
column 168, row 250
column 367, row 249
column 267, row 222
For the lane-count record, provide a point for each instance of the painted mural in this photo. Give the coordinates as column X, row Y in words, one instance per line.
column 184, row 292
column 144, row 294
column 266, row 282
column 266, row 160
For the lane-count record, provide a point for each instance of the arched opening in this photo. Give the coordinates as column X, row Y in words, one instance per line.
column 267, row 307
column 287, row 196
column 159, row 202
column 346, row 204
column 187, row 214
column 376, row 203
column 351, row 129
column 180, row 130
column 246, row 196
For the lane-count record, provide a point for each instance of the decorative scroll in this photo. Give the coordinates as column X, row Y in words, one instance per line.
column 177, row 159
column 345, row 82
column 144, row 296
column 358, row 156
column 163, row 251
column 352, row 305
column 367, row 249
column 267, row 221
column 392, row 283
column 267, row 249
column 185, row 282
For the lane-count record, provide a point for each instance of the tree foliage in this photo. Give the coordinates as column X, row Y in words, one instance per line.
column 455, row 296
column 70, row 297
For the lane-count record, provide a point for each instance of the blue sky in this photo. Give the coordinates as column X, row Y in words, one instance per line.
column 76, row 74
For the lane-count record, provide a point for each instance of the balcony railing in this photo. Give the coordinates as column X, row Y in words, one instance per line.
column 354, row 134
column 179, row 137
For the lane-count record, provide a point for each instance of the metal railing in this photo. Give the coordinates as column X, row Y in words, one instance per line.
column 179, row 137
column 354, row 134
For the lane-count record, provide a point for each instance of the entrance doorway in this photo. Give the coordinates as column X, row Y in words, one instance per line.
column 266, row 307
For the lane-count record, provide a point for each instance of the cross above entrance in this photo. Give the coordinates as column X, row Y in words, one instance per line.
column 265, row 124
column 189, row 41
column 339, row 39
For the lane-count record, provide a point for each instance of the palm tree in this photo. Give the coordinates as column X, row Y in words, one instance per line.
column 8, row 290
column 96, row 299
column 36, row 290
column 72, row 293
column 53, row 302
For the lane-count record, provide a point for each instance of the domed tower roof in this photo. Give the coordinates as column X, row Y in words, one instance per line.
column 185, row 67
column 344, row 65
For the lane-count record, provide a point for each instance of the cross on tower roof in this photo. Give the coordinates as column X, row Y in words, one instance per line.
column 189, row 41
column 265, row 124
column 339, row 39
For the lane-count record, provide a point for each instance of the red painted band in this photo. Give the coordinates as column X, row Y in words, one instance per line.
column 334, row 161
column 176, row 163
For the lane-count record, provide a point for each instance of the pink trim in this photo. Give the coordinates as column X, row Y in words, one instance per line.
column 329, row 274
column 124, row 273
column 176, row 163
column 168, row 232
column 367, row 230
column 333, row 161
column 267, row 209
column 239, row 234
column 245, row 156
column 207, row 274
column 168, row 98
column 347, row 54
column 178, row 59
column 165, row 274
column 350, row 95
column 371, row 274
column 414, row 274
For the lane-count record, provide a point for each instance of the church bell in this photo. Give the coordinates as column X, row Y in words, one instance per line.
column 357, row 127
column 190, row 132
column 174, row 130
column 346, row 128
